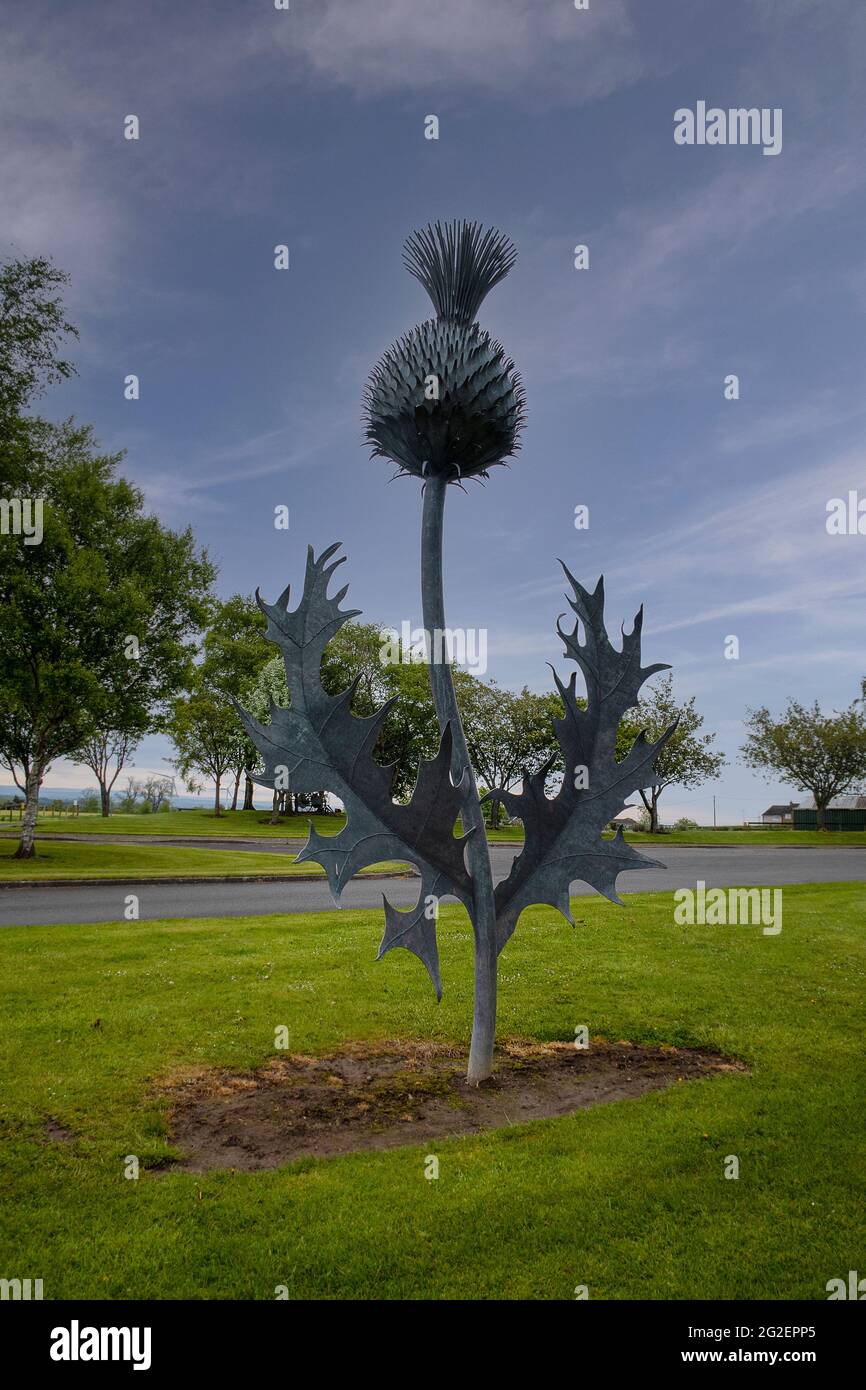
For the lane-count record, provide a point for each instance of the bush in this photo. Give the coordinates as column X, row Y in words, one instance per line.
column 685, row 824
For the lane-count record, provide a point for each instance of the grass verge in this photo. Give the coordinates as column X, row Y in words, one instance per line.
column 76, row 859
column 630, row 1198
column 254, row 825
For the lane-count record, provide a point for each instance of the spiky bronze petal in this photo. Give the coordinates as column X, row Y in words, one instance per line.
column 458, row 265
column 470, row 422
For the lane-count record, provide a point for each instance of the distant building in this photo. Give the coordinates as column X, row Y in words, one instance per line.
column 847, row 812
column 780, row 815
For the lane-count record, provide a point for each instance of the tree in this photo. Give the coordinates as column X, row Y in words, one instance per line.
column 824, row 754
column 98, row 618
column 411, row 731
column 508, row 733
column 32, row 324
column 98, row 752
column 127, row 800
column 207, row 735
column 234, row 650
column 685, row 760
column 156, row 790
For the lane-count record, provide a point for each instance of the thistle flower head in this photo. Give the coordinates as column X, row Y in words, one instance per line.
column 444, row 399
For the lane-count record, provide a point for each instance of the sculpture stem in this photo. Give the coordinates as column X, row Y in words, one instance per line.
column 477, row 852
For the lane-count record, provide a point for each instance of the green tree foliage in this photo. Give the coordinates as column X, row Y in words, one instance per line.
column 411, row 731
column 234, row 651
column 824, row 754
column 32, row 326
column 686, row 760
column 508, row 733
column 98, row 619
column 207, row 736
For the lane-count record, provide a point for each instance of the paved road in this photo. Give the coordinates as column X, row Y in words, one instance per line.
column 719, row 868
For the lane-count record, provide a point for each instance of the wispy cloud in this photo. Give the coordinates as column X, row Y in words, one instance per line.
column 180, row 493
column 522, row 48
column 765, row 554
column 631, row 318
column 825, row 411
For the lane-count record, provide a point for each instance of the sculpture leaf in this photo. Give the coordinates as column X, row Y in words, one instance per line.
column 563, row 834
column 317, row 742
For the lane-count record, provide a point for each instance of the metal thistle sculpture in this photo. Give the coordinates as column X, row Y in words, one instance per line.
column 461, row 429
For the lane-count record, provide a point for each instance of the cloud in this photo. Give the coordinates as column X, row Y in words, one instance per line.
column 53, row 198
column 631, row 317
column 824, row 411
column 765, row 555
column 380, row 46
column 184, row 493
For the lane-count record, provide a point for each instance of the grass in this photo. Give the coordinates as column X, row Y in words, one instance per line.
column 708, row 836
column 254, row 824
column 801, row 838
column 77, row 859
column 240, row 824
column 629, row 1198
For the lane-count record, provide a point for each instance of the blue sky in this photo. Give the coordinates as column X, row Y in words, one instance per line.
column 306, row 127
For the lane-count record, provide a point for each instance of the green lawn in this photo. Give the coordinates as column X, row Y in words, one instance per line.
column 251, row 824
column 824, row 838
column 239, row 824
column 77, row 859
column 629, row 1198
column 708, row 836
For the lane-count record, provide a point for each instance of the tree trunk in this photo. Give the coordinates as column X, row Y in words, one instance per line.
column 248, row 795
column 477, row 852
column 820, row 819
column 235, row 792
column 494, row 814
column 216, row 800
column 275, row 810
column 26, row 846
column 654, row 813
column 105, row 798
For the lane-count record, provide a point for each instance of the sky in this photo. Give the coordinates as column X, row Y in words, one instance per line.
column 305, row 127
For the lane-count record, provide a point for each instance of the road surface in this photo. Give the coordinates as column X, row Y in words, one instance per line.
column 719, row 868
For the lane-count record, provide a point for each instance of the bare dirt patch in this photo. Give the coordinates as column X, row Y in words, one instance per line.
column 56, row 1133
column 392, row 1094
